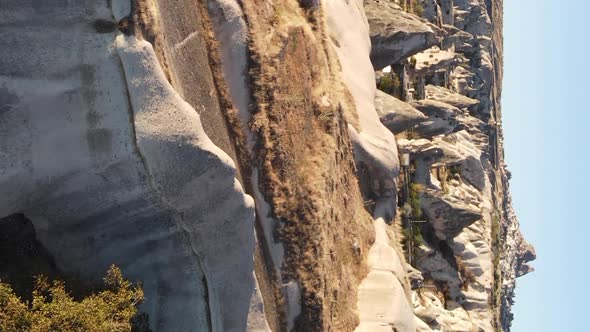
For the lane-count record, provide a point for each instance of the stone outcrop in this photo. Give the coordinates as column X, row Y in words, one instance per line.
column 395, row 34
column 450, row 214
column 395, row 114
column 88, row 159
column 434, row 59
column 447, row 96
column 237, row 159
column 442, row 118
column 455, row 192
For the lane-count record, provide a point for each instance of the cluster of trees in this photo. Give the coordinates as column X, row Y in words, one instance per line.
column 53, row 309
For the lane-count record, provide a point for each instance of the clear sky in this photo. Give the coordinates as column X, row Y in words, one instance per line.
column 545, row 119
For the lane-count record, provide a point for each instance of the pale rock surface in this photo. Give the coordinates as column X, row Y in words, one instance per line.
column 465, row 82
column 459, row 162
column 374, row 145
column 382, row 302
column 441, row 117
column 460, row 216
column 433, row 59
column 87, row 157
column 396, row 34
column 447, row 96
column 449, row 214
column 395, row 114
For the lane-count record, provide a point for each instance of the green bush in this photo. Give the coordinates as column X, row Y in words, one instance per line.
column 389, row 83
column 53, row 309
column 418, row 8
column 415, row 202
column 415, row 236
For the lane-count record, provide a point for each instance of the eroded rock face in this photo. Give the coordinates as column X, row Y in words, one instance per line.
column 88, row 158
column 395, row 114
column 396, row 34
column 449, row 215
column 383, row 301
column 441, row 117
column 434, row 59
column 449, row 97
column 457, row 174
column 133, row 137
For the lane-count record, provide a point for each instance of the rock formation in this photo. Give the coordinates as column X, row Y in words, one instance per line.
column 237, row 159
column 395, row 114
column 469, row 249
column 396, row 34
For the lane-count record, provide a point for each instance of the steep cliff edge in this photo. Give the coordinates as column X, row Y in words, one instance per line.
column 237, row 158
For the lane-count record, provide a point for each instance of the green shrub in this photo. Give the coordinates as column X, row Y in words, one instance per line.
column 418, row 8
column 415, row 202
column 53, row 309
column 389, row 83
column 415, row 235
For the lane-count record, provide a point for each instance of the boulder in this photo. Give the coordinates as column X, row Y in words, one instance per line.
column 414, row 276
column 447, row 96
column 112, row 166
column 441, row 117
column 432, row 11
column 395, row 34
column 434, row 59
column 525, row 255
column 395, row 114
column 448, row 215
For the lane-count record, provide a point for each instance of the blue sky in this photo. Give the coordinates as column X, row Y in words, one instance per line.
column 545, row 120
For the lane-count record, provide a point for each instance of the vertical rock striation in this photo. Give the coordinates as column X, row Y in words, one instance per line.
column 237, row 159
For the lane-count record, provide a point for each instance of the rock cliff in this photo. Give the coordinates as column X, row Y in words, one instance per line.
column 263, row 165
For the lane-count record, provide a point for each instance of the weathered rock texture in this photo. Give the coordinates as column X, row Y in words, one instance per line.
column 113, row 166
column 395, row 114
column 471, row 249
column 396, row 34
column 236, row 158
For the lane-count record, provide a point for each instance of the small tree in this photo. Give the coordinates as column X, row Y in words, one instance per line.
column 54, row 309
column 389, row 83
column 418, row 9
column 415, row 201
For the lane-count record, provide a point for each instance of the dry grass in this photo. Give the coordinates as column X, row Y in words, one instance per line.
column 306, row 162
column 147, row 27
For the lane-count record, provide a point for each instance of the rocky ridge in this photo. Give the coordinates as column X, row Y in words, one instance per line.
column 237, row 158
column 469, row 249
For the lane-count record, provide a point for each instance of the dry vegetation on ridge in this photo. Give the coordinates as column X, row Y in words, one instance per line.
column 305, row 156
